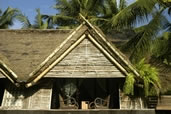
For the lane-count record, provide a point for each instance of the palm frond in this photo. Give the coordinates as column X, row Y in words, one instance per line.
column 129, row 16
column 44, row 25
column 63, row 20
column 38, row 19
column 112, row 7
column 148, row 4
column 8, row 16
column 149, row 77
column 129, row 85
column 25, row 21
column 122, row 4
column 162, row 48
column 141, row 43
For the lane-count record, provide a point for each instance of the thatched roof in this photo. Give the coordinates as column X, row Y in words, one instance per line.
column 24, row 50
column 29, row 54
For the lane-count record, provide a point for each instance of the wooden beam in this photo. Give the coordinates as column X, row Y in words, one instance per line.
column 8, row 69
column 6, row 75
column 56, row 61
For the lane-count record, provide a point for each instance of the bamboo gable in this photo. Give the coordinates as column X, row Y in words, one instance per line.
column 85, row 61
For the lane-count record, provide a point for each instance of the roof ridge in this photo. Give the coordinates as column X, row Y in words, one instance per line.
column 85, row 30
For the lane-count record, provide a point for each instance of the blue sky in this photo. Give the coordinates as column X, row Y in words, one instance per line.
column 28, row 8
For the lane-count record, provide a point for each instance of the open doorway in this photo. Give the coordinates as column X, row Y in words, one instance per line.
column 107, row 89
column 87, row 90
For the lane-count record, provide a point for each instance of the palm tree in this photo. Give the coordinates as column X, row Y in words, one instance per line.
column 69, row 10
column 110, row 15
column 107, row 14
column 162, row 48
column 40, row 21
column 7, row 17
column 140, row 45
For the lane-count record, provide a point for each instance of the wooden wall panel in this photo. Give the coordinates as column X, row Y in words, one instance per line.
column 41, row 97
column 85, row 61
column 38, row 97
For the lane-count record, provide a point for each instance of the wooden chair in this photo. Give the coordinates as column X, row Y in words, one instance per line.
column 100, row 103
column 65, row 105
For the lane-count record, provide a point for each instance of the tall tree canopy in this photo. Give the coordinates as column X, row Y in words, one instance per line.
column 141, row 44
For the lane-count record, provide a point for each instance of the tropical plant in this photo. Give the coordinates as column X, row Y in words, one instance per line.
column 140, row 45
column 109, row 11
column 69, row 10
column 40, row 21
column 148, row 81
column 110, row 15
column 162, row 48
column 7, row 17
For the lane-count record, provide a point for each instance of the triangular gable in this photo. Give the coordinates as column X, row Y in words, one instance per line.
column 110, row 48
column 85, row 30
column 85, row 61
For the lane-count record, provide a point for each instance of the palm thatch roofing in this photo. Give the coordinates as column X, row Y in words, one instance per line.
column 27, row 55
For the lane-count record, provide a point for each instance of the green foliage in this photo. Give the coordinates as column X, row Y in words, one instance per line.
column 69, row 11
column 25, row 21
column 148, row 77
column 141, row 44
column 107, row 14
column 162, row 48
column 148, row 81
column 41, row 21
column 129, row 85
column 7, row 17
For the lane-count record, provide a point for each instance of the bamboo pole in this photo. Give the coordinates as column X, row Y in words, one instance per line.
column 55, row 51
column 4, row 73
column 8, row 69
column 107, row 54
column 114, row 50
column 57, row 61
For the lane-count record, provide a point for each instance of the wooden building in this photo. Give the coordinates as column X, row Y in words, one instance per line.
column 62, row 69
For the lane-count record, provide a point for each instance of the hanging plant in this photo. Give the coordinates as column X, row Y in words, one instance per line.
column 148, row 81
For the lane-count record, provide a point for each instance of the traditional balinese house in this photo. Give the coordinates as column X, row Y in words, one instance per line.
column 51, row 71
